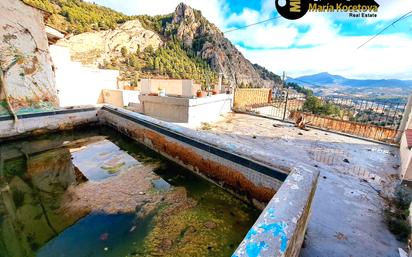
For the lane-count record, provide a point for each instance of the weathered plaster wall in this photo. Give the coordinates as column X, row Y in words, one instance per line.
column 30, row 81
column 280, row 229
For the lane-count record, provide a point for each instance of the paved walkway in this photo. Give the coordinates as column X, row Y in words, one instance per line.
column 347, row 210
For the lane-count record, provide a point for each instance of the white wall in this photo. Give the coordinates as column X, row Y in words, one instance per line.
column 405, row 152
column 77, row 84
column 120, row 98
column 174, row 87
column 184, row 110
column 406, row 156
column 209, row 109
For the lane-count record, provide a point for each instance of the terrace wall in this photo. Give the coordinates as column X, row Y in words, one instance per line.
column 251, row 96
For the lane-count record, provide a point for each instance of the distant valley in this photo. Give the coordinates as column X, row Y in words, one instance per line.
column 325, row 84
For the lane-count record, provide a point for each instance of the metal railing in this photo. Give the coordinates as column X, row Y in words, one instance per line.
column 373, row 119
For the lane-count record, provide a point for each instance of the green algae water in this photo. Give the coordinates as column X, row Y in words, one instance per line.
column 95, row 192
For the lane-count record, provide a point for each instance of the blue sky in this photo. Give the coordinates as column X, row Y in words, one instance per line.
column 315, row 43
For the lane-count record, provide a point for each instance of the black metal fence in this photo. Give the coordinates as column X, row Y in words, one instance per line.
column 374, row 119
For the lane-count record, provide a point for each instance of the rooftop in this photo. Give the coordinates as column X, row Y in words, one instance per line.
column 354, row 174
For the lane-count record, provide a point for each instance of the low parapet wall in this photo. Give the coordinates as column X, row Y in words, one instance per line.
column 187, row 110
column 46, row 122
column 280, row 229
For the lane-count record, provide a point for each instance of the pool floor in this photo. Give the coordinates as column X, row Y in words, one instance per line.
column 94, row 192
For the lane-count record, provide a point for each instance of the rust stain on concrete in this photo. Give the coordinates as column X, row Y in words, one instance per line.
column 228, row 177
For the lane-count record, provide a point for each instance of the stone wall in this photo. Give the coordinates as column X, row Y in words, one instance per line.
column 24, row 55
column 251, row 97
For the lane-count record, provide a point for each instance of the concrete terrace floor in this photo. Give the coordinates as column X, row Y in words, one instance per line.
column 347, row 217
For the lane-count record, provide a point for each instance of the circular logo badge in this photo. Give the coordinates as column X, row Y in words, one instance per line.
column 292, row 9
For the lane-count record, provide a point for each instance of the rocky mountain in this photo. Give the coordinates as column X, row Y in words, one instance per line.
column 209, row 42
column 183, row 44
column 99, row 46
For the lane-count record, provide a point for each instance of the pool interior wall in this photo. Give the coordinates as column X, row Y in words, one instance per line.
column 254, row 182
column 180, row 214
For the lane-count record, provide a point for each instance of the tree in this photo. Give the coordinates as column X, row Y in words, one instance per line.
column 312, row 104
column 299, row 88
column 123, row 51
column 149, row 50
column 315, row 105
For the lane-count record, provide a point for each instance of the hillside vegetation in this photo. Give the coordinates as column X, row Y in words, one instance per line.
column 192, row 47
column 76, row 17
column 169, row 61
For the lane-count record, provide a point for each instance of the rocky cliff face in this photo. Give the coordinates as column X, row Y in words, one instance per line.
column 210, row 44
column 96, row 47
column 199, row 37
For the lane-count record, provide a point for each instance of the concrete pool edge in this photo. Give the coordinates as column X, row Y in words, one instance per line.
column 280, row 229
column 287, row 213
column 45, row 122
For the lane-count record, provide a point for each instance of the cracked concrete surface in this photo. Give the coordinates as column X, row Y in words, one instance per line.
column 347, row 217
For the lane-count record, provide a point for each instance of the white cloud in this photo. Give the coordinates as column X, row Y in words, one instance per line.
column 265, row 36
column 390, row 9
column 376, row 60
column 387, row 56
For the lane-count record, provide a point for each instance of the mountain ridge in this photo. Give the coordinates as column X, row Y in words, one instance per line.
column 325, row 79
column 326, row 84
